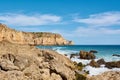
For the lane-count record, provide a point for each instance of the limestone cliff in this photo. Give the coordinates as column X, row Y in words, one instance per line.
column 31, row 38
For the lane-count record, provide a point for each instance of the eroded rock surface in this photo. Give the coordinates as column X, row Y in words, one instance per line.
column 23, row 62
column 111, row 75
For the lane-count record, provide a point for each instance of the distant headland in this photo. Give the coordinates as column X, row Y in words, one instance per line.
column 31, row 38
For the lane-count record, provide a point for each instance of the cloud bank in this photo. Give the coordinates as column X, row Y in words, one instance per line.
column 29, row 20
column 101, row 24
column 101, row 19
column 92, row 32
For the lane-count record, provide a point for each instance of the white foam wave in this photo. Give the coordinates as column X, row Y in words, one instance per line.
column 81, row 60
column 56, row 48
column 92, row 70
column 68, row 52
column 96, row 71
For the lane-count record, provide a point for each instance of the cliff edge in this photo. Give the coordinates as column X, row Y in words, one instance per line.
column 31, row 38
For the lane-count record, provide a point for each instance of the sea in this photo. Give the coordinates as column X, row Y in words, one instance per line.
column 103, row 51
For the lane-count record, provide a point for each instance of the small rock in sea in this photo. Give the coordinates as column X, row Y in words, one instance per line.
column 86, row 55
column 114, row 64
column 73, row 55
column 93, row 51
column 101, row 61
column 118, row 55
column 94, row 64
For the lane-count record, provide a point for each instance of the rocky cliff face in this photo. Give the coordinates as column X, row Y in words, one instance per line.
column 31, row 38
column 24, row 62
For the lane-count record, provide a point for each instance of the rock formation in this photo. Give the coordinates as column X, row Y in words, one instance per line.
column 94, row 64
column 101, row 61
column 86, row 55
column 93, row 51
column 117, row 55
column 31, row 38
column 24, row 62
column 110, row 65
column 111, row 75
column 113, row 64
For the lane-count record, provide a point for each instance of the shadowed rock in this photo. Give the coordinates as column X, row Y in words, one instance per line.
column 86, row 55
column 116, row 55
column 94, row 64
column 114, row 64
column 73, row 55
column 93, row 51
column 101, row 61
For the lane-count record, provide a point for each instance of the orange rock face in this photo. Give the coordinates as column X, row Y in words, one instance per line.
column 31, row 38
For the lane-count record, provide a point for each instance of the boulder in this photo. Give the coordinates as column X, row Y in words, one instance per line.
column 24, row 62
column 86, row 55
column 114, row 64
column 93, row 51
column 118, row 55
column 94, row 64
column 101, row 61
column 110, row 65
column 73, row 55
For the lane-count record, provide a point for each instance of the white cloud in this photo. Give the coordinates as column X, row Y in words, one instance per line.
column 88, row 32
column 92, row 32
column 101, row 19
column 29, row 20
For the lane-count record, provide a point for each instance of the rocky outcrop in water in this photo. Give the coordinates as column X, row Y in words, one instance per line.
column 93, row 51
column 110, row 65
column 24, row 62
column 31, row 38
column 86, row 55
column 117, row 55
column 93, row 63
column 113, row 64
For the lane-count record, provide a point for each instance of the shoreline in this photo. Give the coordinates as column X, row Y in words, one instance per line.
column 92, row 70
column 21, row 60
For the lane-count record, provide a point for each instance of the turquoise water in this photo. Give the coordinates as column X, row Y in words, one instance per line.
column 104, row 51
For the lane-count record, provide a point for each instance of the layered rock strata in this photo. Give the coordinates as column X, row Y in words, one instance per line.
column 31, row 38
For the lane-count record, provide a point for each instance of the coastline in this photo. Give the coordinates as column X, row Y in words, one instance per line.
column 72, row 49
column 28, row 62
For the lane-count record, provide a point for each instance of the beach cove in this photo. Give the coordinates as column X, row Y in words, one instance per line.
column 23, row 60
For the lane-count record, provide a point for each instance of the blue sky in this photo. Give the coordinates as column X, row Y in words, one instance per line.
column 83, row 21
